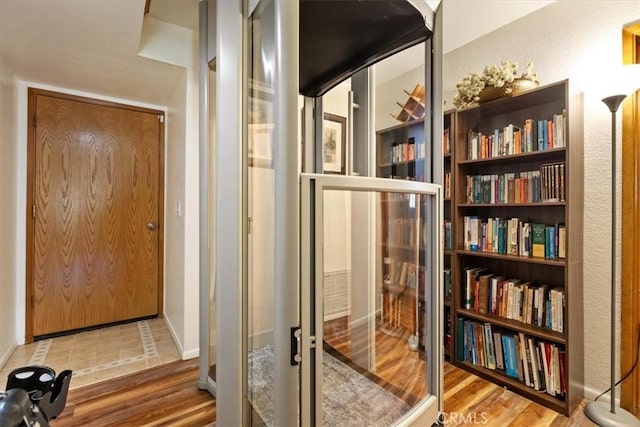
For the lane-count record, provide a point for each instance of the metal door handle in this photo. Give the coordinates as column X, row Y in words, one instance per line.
column 152, row 225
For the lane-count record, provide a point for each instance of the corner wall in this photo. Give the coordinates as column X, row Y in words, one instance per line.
column 8, row 228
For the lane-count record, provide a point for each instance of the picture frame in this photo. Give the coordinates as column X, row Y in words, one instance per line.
column 334, row 143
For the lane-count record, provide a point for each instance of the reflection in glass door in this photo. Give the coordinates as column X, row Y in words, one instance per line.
column 374, row 301
column 261, row 352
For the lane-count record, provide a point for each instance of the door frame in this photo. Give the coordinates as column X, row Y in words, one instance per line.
column 311, row 291
column 30, row 187
column 630, row 256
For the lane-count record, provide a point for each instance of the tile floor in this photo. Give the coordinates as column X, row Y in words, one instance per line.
column 101, row 354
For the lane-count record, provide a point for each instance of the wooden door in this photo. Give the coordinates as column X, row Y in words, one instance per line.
column 95, row 195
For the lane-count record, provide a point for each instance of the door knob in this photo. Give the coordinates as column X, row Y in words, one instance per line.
column 152, row 225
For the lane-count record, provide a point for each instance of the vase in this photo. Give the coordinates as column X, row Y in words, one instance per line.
column 489, row 93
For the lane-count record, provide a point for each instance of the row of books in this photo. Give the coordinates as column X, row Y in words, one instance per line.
column 407, row 232
column 446, row 141
column 447, row 235
column 406, row 151
column 402, row 274
column 517, row 187
column 553, row 182
column 544, row 185
column 447, row 328
column 534, row 304
column 446, row 279
column 538, row 364
column 514, row 236
column 533, row 135
column 447, row 185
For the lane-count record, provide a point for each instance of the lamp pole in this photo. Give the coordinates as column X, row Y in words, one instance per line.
column 596, row 412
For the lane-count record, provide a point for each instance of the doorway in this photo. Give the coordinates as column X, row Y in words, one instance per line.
column 94, row 213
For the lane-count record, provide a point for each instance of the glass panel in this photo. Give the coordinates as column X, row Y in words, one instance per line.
column 261, row 201
column 374, row 279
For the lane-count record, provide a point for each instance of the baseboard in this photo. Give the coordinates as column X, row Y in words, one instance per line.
column 190, row 354
column 7, row 354
column 261, row 339
column 591, row 394
column 184, row 354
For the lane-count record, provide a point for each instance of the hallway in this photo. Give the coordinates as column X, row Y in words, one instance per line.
column 100, row 354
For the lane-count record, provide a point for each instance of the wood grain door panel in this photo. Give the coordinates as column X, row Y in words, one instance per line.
column 95, row 190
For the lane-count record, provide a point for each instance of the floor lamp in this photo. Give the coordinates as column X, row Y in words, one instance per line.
column 598, row 412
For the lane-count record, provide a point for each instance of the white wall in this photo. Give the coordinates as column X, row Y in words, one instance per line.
column 178, row 46
column 390, row 92
column 174, row 215
column 8, row 229
column 337, row 256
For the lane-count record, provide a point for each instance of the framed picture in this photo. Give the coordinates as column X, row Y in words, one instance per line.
column 260, row 118
column 334, row 142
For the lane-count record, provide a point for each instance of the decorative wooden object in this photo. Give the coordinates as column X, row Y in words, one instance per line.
column 413, row 108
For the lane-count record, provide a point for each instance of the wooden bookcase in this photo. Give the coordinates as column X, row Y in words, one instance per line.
column 448, row 147
column 400, row 155
column 474, row 201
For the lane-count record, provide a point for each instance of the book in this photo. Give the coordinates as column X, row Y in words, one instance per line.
column 483, row 293
column 497, row 341
column 470, row 277
column 489, row 347
column 533, row 355
column 545, row 365
column 550, row 242
column 562, row 241
column 461, row 339
column 526, row 359
column 538, row 240
column 510, row 359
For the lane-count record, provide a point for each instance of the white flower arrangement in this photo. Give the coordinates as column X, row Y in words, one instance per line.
column 497, row 76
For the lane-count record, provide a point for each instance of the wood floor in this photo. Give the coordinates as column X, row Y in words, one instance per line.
column 162, row 396
column 168, row 396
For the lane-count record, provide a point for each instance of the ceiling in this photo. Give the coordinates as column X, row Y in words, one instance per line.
column 85, row 45
column 92, row 45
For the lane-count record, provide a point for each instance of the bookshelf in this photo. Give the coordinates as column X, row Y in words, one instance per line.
column 516, row 257
column 400, row 155
column 448, row 145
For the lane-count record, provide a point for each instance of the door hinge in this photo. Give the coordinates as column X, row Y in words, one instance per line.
column 249, row 225
column 161, row 118
column 35, row 121
column 33, row 211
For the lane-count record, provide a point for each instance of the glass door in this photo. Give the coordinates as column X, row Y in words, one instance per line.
column 370, row 301
column 271, row 307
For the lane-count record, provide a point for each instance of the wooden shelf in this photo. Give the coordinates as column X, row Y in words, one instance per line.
column 516, row 258
column 515, row 385
column 543, row 155
column 404, row 163
column 515, row 325
column 510, row 205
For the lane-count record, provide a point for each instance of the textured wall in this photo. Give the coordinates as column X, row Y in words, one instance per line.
column 587, row 51
column 8, row 229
